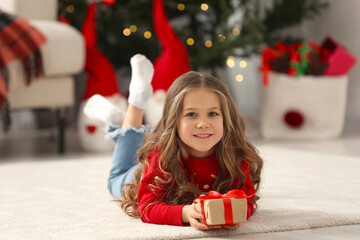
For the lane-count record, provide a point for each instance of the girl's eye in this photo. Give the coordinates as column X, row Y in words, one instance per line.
column 213, row 114
column 191, row 114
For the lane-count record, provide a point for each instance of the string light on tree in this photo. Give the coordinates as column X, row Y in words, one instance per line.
column 126, row 32
column 230, row 62
column 239, row 77
column 204, row 7
column 203, row 19
column 243, row 64
column 133, row 28
column 208, row 44
column 235, row 31
column 190, row 41
column 147, row 34
column 70, row 8
column 221, row 37
column 181, row 7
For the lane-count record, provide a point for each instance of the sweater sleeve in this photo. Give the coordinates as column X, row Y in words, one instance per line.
column 152, row 207
column 248, row 187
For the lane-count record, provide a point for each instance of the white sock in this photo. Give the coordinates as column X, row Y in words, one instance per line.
column 140, row 89
column 99, row 108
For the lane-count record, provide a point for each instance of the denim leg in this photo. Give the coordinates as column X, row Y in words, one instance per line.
column 127, row 142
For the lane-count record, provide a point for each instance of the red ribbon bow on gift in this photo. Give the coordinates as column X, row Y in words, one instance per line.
column 237, row 193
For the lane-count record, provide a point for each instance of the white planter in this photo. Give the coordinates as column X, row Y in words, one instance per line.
column 320, row 100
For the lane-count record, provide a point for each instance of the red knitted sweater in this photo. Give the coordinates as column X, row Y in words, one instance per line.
column 203, row 173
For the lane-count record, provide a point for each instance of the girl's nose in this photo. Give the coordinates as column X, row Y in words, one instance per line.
column 202, row 124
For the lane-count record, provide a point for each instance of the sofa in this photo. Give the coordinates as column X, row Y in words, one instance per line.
column 63, row 56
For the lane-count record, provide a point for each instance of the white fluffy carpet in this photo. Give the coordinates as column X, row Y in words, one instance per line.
column 68, row 199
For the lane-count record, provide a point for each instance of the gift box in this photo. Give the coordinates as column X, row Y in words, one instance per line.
column 215, row 211
column 222, row 210
column 306, row 107
column 340, row 60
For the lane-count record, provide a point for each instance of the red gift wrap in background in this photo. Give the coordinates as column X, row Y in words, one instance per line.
column 340, row 60
column 307, row 58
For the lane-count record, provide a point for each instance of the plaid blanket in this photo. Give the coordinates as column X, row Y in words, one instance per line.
column 18, row 41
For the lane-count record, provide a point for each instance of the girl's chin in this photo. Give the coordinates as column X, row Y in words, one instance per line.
column 201, row 153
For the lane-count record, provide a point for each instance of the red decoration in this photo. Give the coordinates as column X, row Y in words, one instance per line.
column 91, row 128
column 307, row 58
column 101, row 79
column 294, row 119
column 237, row 193
column 340, row 60
column 109, row 3
column 64, row 19
column 271, row 54
column 295, row 62
column 300, row 57
column 174, row 59
column 268, row 55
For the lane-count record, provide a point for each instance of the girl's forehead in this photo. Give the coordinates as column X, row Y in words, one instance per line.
column 202, row 90
column 201, row 97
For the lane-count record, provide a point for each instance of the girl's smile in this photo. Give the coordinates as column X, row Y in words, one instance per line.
column 201, row 122
column 203, row 135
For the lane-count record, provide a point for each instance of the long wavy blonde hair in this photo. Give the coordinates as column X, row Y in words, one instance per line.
column 233, row 147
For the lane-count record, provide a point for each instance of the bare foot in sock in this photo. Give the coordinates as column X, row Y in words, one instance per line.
column 140, row 88
column 99, row 108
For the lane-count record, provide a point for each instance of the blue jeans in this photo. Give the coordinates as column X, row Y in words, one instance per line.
column 127, row 142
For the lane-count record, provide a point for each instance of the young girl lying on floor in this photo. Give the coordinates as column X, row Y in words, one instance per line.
column 198, row 145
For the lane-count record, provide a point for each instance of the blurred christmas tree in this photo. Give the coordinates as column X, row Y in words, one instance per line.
column 211, row 30
column 283, row 14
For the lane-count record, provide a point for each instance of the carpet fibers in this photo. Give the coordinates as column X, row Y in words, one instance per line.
column 67, row 198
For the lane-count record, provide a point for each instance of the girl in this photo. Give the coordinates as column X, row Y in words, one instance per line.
column 198, row 145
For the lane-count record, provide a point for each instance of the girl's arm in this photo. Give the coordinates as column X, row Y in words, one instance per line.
column 151, row 205
column 248, row 187
column 162, row 213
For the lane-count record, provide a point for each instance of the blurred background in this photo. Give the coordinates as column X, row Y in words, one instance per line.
column 290, row 67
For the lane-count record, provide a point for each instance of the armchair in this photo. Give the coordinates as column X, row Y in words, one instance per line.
column 63, row 56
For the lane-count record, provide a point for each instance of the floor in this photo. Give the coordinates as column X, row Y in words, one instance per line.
column 21, row 145
column 351, row 232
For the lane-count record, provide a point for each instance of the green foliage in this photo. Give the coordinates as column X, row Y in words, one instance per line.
column 221, row 17
column 285, row 13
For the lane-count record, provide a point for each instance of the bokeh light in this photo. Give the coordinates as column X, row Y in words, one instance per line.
column 126, row 32
column 243, row 64
column 239, row 77
column 70, row 8
column 204, row 7
column 147, row 34
column 181, row 7
column 235, row 31
column 190, row 41
column 230, row 62
column 133, row 28
column 208, row 44
column 221, row 37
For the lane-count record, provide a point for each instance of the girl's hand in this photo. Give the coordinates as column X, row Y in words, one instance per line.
column 190, row 215
column 232, row 227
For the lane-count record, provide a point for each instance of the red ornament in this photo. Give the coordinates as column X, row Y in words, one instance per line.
column 294, row 119
column 109, row 3
column 64, row 19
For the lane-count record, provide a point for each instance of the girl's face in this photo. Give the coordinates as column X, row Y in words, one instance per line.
column 201, row 122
